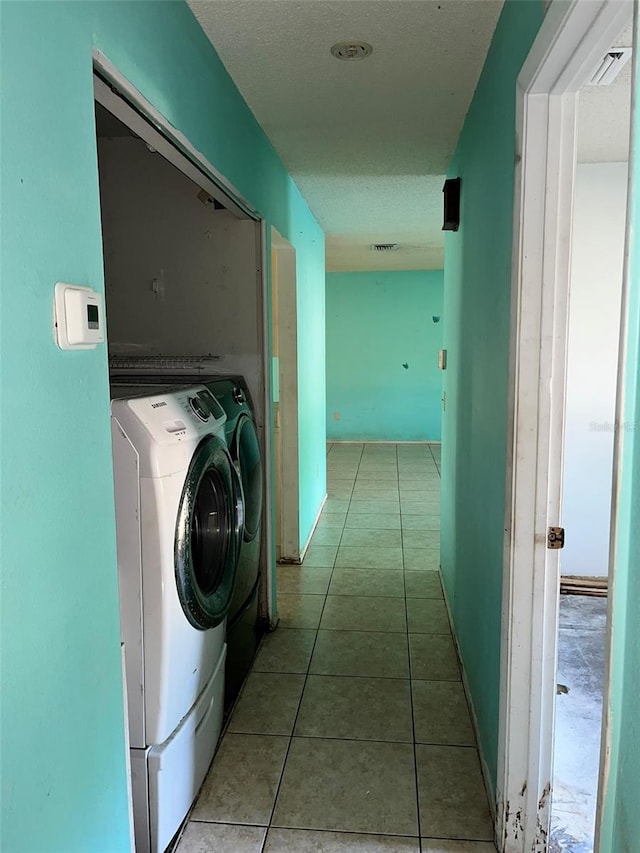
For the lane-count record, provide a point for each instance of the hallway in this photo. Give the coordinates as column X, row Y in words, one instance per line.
column 352, row 732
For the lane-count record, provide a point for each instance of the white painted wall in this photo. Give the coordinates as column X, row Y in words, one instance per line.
column 180, row 277
column 594, row 319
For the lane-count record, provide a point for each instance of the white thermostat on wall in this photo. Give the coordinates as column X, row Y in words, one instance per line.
column 78, row 317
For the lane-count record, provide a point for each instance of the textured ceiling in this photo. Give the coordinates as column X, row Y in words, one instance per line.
column 368, row 143
column 604, row 116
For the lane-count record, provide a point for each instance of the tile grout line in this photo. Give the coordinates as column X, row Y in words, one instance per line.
column 413, row 719
column 304, row 685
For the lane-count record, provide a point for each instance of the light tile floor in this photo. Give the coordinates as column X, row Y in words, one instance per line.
column 352, row 732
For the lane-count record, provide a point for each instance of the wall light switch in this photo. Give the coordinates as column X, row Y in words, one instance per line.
column 442, row 359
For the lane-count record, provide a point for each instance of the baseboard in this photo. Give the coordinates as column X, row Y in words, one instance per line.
column 486, row 777
column 584, row 585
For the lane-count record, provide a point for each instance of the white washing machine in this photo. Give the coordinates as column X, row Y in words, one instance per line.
column 179, row 530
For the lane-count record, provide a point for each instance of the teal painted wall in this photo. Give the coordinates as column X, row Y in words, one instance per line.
column 620, row 828
column 476, row 336
column 63, row 749
column 376, row 322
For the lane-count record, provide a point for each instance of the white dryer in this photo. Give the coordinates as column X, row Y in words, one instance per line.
column 179, row 530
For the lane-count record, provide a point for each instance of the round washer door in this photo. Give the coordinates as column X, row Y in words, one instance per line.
column 246, row 455
column 208, row 535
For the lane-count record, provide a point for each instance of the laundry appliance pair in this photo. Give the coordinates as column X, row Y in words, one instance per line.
column 188, row 547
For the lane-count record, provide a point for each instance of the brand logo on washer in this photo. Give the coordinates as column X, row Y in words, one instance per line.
column 159, row 405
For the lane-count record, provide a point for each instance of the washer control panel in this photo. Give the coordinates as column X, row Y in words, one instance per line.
column 177, row 415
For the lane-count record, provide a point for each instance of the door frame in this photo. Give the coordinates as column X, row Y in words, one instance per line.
column 571, row 40
column 285, row 380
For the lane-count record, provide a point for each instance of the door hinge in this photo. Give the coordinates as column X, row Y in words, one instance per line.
column 555, row 538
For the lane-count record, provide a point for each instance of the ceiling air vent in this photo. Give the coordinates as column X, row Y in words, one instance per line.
column 384, row 247
column 611, row 65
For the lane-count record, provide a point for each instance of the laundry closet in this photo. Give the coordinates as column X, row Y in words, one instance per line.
column 185, row 327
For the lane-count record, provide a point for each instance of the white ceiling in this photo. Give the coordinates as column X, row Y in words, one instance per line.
column 604, row 116
column 368, row 143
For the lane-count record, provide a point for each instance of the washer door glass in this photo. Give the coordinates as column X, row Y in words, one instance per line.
column 207, row 535
column 246, row 451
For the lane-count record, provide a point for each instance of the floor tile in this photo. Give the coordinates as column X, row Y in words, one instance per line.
column 326, row 536
column 221, row 838
column 355, row 537
column 414, row 506
column 342, row 476
column 312, row 580
column 373, row 521
column 388, row 507
column 412, row 474
column 332, row 519
column 421, row 522
column 285, row 650
column 379, row 475
column 340, row 492
column 268, row 704
column 422, row 498
column 320, row 555
column 441, row 714
column 360, row 494
column 427, row 616
column 377, row 489
column 356, row 708
column 427, row 480
column 360, row 613
column 420, row 490
column 421, row 538
column 299, row 611
column 372, row 482
column 336, row 505
column 372, row 557
column 242, row 783
column 440, row 845
column 315, row 841
column 366, row 787
column 453, row 802
column 433, row 657
column 423, row 584
column 378, row 655
column 367, row 582
column 421, row 559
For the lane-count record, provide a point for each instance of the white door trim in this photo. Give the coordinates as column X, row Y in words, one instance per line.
column 119, row 96
column 571, row 40
column 288, row 398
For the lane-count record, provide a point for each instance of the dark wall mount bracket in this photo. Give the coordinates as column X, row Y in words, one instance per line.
column 451, row 192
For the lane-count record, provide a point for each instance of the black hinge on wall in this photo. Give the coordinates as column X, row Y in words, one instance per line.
column 555, row 538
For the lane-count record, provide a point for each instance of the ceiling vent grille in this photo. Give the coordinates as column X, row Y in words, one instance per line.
column 610, row 66
column 384, row 247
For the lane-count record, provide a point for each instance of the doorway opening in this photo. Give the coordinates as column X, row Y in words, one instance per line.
column 595, row 289
column 571, row 44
